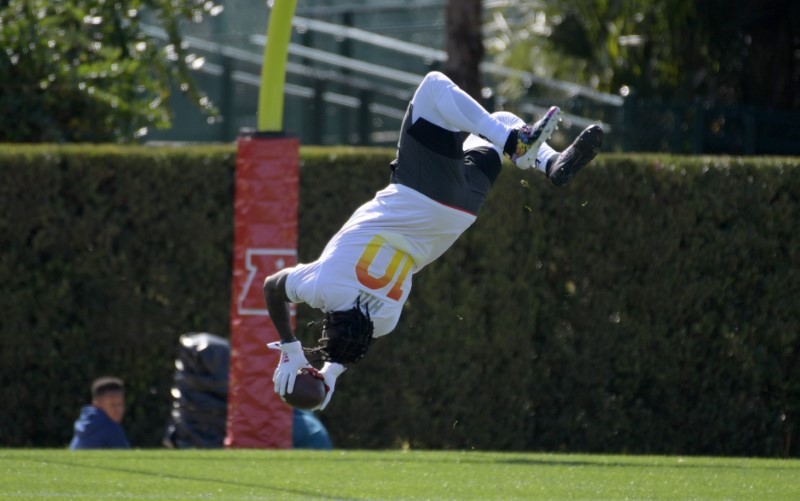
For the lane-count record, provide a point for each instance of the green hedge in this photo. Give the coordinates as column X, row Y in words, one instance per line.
column 108, row 254
column 650, row 307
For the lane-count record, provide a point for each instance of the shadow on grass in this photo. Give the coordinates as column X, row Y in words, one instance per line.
column 297, row 492
column 455, row 457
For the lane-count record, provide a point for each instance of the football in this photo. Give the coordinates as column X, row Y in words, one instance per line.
column 309, row 390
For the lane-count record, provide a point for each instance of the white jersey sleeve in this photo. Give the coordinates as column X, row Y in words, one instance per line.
column 321, row 286
column 301, row 284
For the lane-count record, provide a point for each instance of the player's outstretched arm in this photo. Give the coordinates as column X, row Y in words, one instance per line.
column 292, row 357
column 278, row 305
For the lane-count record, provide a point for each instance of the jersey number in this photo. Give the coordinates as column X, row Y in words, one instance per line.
column 390, row 274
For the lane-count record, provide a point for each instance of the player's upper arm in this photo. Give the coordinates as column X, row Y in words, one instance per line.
column 275, row 285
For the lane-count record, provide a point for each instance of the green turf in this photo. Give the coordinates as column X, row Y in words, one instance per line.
column 251, row 475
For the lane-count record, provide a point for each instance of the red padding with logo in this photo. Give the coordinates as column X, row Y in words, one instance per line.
column 265, row 240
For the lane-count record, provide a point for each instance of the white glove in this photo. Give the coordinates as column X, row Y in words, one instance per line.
column 292, row 360
column 330, row 371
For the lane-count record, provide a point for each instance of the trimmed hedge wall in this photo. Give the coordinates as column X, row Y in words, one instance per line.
column 653, row 306
column 107, row 255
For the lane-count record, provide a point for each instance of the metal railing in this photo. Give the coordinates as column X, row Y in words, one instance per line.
column 370, row 90
column 358, row 81
column 435, row 55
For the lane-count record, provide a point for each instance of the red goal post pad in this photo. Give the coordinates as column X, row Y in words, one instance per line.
column 265, row 241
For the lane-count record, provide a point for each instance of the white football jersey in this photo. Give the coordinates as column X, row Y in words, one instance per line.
column 376, row 252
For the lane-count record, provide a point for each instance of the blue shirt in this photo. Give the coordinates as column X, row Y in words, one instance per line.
column 308, row 432
column 95, row 430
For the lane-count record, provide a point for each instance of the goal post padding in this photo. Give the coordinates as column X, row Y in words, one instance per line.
column 265, row 241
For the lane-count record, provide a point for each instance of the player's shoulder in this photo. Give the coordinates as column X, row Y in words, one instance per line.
column 301, row 272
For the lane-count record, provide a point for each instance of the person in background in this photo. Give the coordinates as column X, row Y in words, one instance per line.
column 98, row 426
column 308, row 432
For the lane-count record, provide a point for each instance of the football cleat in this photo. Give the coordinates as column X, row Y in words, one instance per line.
column 531, row 137
column 563, row 167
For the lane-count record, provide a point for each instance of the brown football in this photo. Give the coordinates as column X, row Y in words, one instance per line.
column 308, row 391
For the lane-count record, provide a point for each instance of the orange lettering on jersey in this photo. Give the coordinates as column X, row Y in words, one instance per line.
column 397, row 291
column 375, row 283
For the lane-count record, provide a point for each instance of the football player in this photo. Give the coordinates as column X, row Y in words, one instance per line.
column 437, row 187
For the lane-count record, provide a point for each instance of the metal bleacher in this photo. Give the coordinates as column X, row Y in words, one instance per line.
column 353, row 66
column 348, row 82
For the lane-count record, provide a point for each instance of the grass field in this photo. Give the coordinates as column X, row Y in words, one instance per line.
column 252, row 474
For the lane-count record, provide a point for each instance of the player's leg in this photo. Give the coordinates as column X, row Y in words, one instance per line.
column 544, row 155
column 441, row 102
column 560, row 167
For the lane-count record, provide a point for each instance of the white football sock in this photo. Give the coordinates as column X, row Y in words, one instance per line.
column 546, row 152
